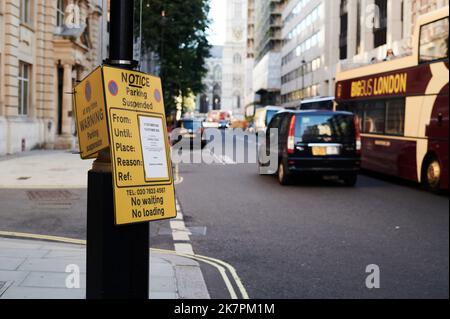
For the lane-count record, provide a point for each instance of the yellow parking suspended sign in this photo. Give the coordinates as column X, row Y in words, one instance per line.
column 90, row 113
column 140, row 153
column 141, row 165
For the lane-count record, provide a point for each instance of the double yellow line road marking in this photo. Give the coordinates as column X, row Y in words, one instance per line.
column 220, row 265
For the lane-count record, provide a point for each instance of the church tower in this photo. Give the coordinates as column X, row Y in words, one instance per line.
column 234, row 54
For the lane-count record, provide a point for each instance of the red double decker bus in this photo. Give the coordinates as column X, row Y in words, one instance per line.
column 402, row 106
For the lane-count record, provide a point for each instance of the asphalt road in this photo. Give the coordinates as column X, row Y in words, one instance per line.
column 315, row 239
column 309, row 240
column 56, row 212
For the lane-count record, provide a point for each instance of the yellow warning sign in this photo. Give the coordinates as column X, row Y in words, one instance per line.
column 124, row 110
column 90, row 115
column 141, row 165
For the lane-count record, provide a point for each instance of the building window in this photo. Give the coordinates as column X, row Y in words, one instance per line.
column 380, row 30
column 237, row 59
column 24, row 88
column 217, row 74
column 344, row 31
column 313, row 41
column 306, row 68
column 358, row 27
column 25, row 11
column 402, row 18
column 315, row 15
column 434, row 41
column 60, row 13
column 236, row 101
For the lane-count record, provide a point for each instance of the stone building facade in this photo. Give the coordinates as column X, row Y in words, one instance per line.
column 45, row 47
column 211, row 98
column 234, row 56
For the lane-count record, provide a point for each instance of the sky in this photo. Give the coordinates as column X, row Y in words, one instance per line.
column 217, row 29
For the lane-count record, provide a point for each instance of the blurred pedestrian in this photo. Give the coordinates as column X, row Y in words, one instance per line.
column 389, row 55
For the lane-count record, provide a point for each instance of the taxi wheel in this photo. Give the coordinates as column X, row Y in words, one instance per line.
column 284, row 177
column 350, row 180
column 432, row 175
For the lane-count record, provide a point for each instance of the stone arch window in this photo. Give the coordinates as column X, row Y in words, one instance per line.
column 237, row 59
column 216, row 89
column 216, row 97
column 217, row 73
column 236, row 100
column 204, row 104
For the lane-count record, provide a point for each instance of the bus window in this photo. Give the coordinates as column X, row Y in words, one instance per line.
column 395, row 117
column 434, row 41
column 357, row 109
column 374, row 118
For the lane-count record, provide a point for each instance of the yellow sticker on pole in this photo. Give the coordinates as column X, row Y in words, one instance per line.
column 140, row 152
column 90, row 113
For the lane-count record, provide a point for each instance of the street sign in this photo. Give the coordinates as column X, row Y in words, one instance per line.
column 124, row 110
column 141, row 165
column 90, row 113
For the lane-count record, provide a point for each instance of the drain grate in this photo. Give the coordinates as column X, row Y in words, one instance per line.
column 51, row 195
column 23, row 178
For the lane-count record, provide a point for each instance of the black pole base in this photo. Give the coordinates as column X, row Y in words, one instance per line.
column 117, row 256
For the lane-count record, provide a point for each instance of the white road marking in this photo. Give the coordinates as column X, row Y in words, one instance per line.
column 185, row 249
column 233, row 272
column 179, row 230
column 228, row 160
column 223, row 159
column 179, row 216
column 180, row 235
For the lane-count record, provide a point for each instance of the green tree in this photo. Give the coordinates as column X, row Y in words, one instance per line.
column 176, row 31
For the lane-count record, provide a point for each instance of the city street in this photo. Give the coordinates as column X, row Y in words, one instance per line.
column 310, row 240
column 315, row 239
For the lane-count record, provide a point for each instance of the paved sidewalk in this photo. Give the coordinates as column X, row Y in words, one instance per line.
column 44, row 169
column 31, row 269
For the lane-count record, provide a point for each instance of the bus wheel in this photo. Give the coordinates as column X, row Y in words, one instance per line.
column 432, row 175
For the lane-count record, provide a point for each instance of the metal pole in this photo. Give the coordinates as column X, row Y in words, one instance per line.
column 117, row 256
column 121, row 33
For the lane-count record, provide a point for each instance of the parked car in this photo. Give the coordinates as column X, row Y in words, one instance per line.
column 318, row 143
